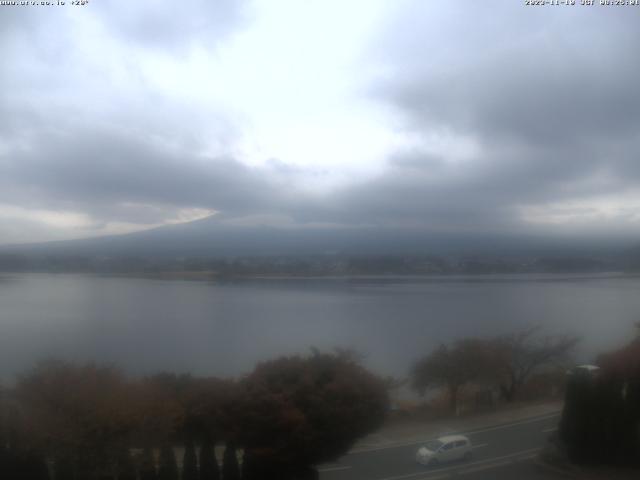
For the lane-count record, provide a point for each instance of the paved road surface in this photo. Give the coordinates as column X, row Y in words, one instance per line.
column 500, row 452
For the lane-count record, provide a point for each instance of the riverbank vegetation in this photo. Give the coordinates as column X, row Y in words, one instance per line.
column 64, row 421
column 506, row 366
column 601, row 418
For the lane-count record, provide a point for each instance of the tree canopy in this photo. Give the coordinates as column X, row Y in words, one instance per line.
column 80, row 412
column 601, row 416
column 288, row 415
column 520, row 354
column 300, row 411
column 452, row 367
column 507, row 361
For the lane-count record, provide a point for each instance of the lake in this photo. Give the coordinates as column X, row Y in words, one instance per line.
column 212, row 328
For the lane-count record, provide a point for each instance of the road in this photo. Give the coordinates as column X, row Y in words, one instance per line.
column 500, row 452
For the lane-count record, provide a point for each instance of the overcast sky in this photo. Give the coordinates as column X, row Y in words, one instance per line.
column 447, row 116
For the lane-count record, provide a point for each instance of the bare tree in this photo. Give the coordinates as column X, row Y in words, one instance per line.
column 520, row 354
column 452, row 367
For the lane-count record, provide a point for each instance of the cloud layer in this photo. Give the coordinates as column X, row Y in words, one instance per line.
column 448, row 118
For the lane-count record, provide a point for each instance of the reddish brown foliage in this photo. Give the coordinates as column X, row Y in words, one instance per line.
column 303, row 411
column 623, row 363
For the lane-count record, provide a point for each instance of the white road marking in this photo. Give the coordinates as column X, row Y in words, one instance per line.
column 528, row 457
column 547, row 430
column 456, row 468
column 334, row 469
column 488, row 466
column 473, row 432
column 509, row 425
column 480, row 445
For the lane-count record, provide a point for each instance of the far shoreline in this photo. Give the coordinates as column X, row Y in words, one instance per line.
column 457, row 277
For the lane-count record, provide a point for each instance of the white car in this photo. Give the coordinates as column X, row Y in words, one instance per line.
column 445, row 449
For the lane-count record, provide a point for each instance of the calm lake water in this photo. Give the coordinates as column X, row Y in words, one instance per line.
column 146, row 325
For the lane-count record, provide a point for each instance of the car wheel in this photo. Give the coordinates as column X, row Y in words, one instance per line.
column 467, row 456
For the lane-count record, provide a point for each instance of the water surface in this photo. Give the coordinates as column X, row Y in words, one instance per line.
column 146, row 325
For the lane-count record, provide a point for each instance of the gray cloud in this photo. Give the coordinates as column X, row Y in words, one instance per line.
column 554, row 81
column 545, row 96
column 162, row 25
column 84, row 132
column 100, row 172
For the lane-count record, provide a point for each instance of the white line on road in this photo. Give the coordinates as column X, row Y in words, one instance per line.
column 480, row 445
column 455, row 468
column 334, row 469
column 547, row 430
column 473, row 432
column 509, row 425
column 529, row 456
column 488, row 466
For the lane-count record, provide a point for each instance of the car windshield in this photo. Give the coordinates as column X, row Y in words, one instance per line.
column 434, row 445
